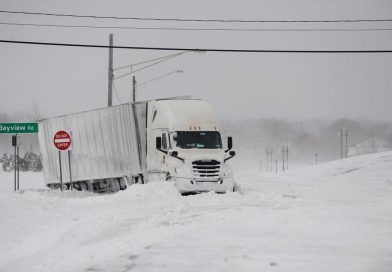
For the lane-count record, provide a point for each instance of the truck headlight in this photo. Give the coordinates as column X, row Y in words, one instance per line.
column 183, row 171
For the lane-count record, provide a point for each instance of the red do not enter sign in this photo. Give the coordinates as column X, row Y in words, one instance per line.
column 62, row 140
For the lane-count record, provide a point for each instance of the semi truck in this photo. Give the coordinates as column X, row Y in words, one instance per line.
column 175, row 139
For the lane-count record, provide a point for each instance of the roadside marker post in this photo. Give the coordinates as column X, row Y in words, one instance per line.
column 63, row 142
column 14, row 143
column 70, row 172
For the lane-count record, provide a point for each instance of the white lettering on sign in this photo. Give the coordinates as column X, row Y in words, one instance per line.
column 67, row 140
column 12, row 128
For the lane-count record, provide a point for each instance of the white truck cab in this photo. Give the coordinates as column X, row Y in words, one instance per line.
column 185, row 146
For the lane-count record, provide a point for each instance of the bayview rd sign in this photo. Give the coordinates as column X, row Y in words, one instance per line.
column 16, row 128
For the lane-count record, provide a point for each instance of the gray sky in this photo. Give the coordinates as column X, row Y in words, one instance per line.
column 64, row 80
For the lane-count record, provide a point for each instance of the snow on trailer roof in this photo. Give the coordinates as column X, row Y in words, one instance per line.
column 137, row 102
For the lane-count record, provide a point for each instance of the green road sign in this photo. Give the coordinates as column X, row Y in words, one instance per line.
column 15, row 128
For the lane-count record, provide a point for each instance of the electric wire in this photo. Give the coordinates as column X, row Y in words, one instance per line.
column 144, row 67
column 377, row 51
column 200, row 29
column 148, row 61
column 115, row 91
column 196, row 20
column 157, row 78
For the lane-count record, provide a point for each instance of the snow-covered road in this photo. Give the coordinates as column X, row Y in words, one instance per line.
column 333, row 217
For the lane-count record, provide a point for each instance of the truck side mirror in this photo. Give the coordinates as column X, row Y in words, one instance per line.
column 174, row 153
column 231, row 155
column 229, row 143
column 158, row 143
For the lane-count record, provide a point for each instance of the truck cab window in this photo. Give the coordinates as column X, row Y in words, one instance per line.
column 196, row 139
column 164, row 141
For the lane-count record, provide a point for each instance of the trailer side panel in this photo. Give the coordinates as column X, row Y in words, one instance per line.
column 106, row 143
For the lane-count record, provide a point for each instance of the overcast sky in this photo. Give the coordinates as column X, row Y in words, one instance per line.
column 253, row 85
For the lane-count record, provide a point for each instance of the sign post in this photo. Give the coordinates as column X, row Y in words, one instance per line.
column 70, row 172
column 17, row 128
column 17, row 165
column 14, row 143
column 63, row 142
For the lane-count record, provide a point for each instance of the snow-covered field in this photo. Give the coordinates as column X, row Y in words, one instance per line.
column 331, row 217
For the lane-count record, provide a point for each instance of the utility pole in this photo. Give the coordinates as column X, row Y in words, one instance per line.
column 110, row 71
column 315, row 156
column 133, row 89
column 341, row 143
column 343, row 137
column 287, row 157
column 269, row 152
column 346, row 143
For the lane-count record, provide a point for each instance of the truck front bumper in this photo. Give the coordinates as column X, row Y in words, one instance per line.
column 190, row 185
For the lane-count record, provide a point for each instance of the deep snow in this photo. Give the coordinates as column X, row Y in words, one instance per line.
column 331, row 217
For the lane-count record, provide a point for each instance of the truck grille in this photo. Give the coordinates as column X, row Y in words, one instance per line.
column 206, row 170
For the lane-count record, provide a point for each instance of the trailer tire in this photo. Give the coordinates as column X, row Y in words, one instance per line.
column 76, row 186
column 115, row 185
column 141, row 178
column 83, row 186
column 123, row 183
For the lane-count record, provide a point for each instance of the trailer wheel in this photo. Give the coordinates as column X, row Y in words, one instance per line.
column 115, row 184
column 135, row 179
column 76, row 186
column 141, row 178
column 123, row 183
column 83, row 186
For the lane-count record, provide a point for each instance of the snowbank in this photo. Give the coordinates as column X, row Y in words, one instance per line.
column 333, row 217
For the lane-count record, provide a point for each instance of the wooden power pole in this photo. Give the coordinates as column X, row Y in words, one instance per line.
column 110, row 71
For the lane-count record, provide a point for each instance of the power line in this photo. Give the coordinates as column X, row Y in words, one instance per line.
column 202, row 49
column 200, row 29
column 145, row 67
column 195, row 20
column 157, row 78
column 148, row 61
column 115, row 90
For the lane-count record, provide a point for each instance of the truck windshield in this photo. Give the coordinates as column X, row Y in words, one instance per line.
column 196, row 139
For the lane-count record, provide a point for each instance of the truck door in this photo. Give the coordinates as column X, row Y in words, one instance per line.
column 157, row 159
column 165, row 147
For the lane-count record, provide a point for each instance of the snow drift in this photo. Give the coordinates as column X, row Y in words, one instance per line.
column 333, row 217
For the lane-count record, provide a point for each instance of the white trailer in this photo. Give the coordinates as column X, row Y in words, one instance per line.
column 177, row 140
